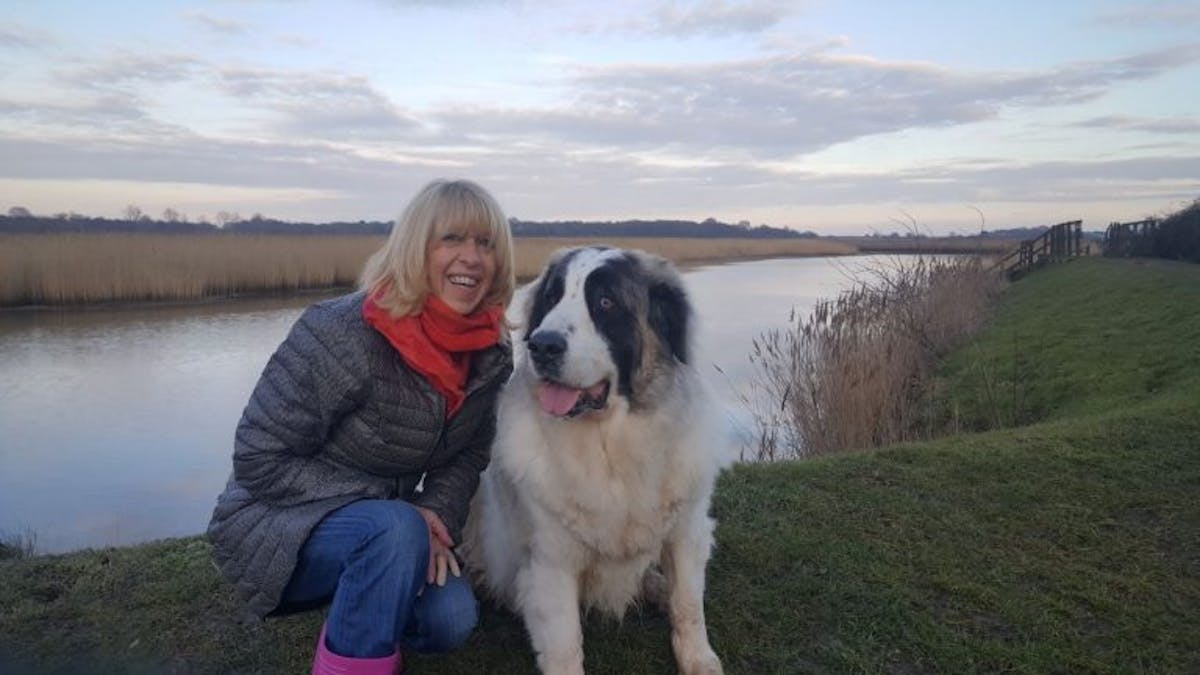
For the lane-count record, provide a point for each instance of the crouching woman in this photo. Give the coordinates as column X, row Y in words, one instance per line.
column 358, row 453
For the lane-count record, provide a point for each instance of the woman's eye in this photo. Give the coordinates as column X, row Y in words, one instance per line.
column 451, row 237
column 485, row 242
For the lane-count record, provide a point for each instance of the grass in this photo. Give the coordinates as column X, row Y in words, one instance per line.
column 1081, row 339
column 1068, row 544
column 59, row 269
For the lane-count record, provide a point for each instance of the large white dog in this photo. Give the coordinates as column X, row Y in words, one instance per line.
column 605, row 459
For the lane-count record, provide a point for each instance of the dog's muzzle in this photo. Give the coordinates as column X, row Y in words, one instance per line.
column 546, row 348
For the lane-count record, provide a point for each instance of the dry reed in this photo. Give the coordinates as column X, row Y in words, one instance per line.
column 58, row 269
column 856, row 372
column 532, row 252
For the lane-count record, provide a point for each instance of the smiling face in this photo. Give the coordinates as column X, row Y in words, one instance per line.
column 461, row 267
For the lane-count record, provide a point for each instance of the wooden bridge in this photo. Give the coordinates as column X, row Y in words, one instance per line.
column 1061, row 242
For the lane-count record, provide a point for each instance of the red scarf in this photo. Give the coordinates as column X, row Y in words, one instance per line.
column 437, row 342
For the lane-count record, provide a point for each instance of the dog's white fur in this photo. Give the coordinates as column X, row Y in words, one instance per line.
column 578, row 511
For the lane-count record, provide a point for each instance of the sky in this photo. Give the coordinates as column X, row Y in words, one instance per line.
column 836, row 117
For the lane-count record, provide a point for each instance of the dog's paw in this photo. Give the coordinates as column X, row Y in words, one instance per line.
column 561, row 666
column 702, row 663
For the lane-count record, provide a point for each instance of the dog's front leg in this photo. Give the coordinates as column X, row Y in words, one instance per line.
column 550, row 606
column 685, row 555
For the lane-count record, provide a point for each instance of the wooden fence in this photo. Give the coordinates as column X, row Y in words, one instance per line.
column 1061, row 242
column 1126, row 239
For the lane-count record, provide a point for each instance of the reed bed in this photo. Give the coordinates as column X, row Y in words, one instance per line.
column 858, row 371
column 946, row 245
column 87, row 268
column 532, row 252
column 64, row 269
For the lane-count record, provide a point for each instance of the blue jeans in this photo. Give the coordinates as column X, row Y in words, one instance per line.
column 370, row 559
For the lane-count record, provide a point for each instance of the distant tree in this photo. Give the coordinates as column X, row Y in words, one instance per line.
column 19, row 212
column 1177, row 236
column 226, row 217
column 133, row 213
column 172, row 216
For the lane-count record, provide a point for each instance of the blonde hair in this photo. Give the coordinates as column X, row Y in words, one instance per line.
column 398, row 272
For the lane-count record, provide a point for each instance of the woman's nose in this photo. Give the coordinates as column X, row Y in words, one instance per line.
column 470, row 251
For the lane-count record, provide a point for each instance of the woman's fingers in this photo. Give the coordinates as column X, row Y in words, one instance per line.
column 441, row 562
column 441, row 569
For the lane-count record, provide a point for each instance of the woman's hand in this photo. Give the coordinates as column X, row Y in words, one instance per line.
column 441, row 554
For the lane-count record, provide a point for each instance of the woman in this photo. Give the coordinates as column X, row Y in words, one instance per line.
column 361, row 446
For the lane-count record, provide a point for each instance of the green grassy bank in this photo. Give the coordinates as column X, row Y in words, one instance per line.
column 1069, row 543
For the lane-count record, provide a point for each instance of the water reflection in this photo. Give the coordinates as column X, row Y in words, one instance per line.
column 116, row 425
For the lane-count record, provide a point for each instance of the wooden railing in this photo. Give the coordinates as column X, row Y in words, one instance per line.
column 1125, row 239
column 1060, row 242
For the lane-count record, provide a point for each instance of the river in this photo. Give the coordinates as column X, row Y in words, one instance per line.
column 116, row 424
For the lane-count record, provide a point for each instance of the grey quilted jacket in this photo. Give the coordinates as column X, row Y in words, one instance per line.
column 338, row 416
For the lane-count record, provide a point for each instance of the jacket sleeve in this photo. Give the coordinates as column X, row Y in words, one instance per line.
column 311, row 381
column 448, row 489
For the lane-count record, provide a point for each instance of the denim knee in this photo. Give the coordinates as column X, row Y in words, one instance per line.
column 448, row 615
column 396, row 528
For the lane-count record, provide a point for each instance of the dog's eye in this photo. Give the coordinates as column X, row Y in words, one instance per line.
column 606, row 303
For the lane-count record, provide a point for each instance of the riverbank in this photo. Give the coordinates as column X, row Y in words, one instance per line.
column 1060, row 538
column 88, row 269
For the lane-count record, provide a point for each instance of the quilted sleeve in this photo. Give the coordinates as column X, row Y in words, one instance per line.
column 316, row 376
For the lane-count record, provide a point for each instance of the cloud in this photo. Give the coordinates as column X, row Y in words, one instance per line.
column 193, row 158
column 130, row 70
column 15, row 36
column 110, row 112
column 707, row 18
column 632, row 140
column 786, row 105
column 547, row 182
column 443, row 4
column 717, row 17
column 1155, row 14
column 1160, row 125
column 296, row 40
column 326, row 105
column 215, row 24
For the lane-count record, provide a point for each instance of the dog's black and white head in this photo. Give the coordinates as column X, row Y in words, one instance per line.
column 603, row 322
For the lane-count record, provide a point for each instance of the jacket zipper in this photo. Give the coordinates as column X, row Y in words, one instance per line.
column 486, row 384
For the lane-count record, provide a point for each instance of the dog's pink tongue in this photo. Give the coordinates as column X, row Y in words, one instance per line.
column 557, row 399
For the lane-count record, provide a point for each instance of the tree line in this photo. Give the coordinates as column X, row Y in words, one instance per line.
column 20, row 219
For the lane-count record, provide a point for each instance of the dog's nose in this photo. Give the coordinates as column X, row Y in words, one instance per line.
column 547, row 346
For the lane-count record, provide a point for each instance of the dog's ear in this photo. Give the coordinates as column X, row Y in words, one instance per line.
column 670, row 315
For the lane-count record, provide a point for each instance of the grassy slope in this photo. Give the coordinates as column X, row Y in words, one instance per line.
column 1068, row 544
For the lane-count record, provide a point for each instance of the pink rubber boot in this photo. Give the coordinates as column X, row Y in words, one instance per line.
column 328, row 663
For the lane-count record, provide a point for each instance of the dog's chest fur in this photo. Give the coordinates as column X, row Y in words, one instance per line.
column 614, row 506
